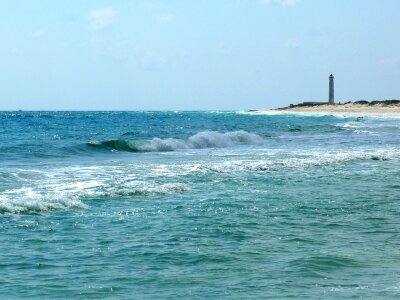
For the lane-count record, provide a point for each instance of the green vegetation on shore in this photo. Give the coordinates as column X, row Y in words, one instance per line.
column 359, row 102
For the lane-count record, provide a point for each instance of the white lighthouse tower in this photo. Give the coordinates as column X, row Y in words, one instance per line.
column 331, row 90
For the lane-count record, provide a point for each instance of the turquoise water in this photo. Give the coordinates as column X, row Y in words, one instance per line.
column 198, row 205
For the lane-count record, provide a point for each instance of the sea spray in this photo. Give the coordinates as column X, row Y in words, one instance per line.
column 28, row 200
column 277, row 161
column 201, row 140
column 45, row 198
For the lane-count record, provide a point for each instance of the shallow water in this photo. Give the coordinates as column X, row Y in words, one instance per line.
column 198, row 205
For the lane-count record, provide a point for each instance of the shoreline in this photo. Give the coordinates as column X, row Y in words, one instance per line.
column 348, row 108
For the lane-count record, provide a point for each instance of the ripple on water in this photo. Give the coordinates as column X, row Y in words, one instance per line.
column 321, row 265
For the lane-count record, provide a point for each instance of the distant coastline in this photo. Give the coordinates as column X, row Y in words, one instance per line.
column 381, row 107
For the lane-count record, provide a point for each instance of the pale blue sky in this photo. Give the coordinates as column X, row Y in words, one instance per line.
column 195, row 54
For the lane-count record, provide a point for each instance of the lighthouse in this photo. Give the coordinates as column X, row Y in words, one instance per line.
column 331, row 90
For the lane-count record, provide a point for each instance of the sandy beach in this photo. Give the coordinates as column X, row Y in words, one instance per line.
column 349, row 108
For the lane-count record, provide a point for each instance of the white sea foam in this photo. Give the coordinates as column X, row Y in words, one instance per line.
column 356, row 127
column 277, row 161
column 30, row 200
column 340, row 115
column 201, row 140
column 145, row 190
column 70, row 187
column 290, row 113
column 370, row 125
column 350, row 125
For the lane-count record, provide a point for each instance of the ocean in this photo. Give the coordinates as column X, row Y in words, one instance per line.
column 199, row 205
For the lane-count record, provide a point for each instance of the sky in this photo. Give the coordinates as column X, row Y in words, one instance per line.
column 195, row 55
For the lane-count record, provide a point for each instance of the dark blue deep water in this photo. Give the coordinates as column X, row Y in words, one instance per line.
column 198, row 205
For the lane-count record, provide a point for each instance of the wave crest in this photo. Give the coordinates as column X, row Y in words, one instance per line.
column 276, row 162
column 201, row 140
column 49, row 197
column 26, row 200
column 147, row 190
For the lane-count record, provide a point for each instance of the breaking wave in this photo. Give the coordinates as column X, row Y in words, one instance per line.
column 33, row 191
column 277, row 162
column 72, row 195
column 201, row 140
column 148, row 190
column 27, row 200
